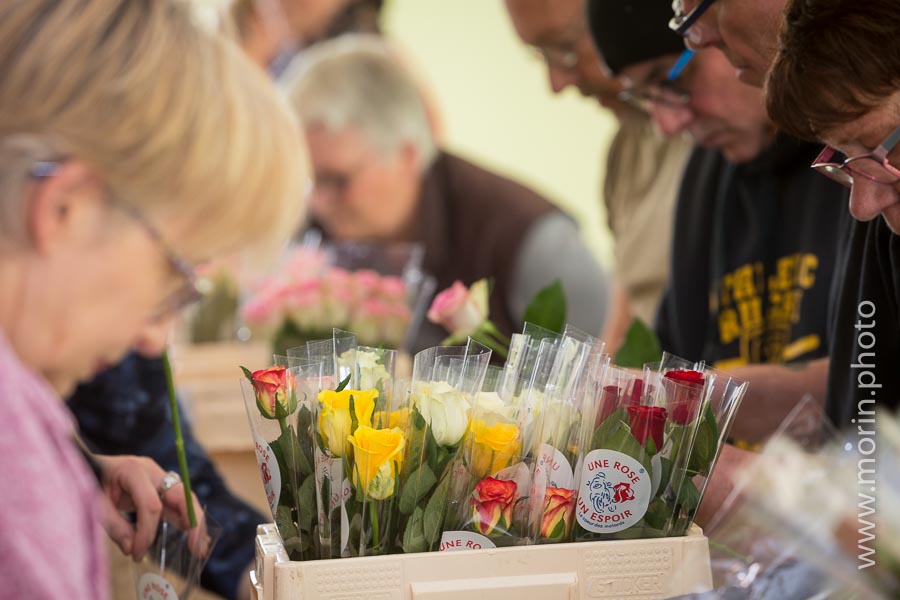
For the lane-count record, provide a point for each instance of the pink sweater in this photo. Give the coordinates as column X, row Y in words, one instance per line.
column 51, row 543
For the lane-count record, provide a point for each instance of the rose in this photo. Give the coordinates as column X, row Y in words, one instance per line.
column 492, row 504
column 275, row 392
column 392, row 289
column 559, row 505
column 335, row 421
column 636, row 391
column 558, row 418
column 609, row 401
column 461, row 310
column 377, row 456
column 398, row 419
column 685, row 392
column 493, row 446
column 490, row 403
column 445, row 410
column 372, row 374
column 646, row 422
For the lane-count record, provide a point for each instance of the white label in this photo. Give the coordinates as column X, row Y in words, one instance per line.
column 614, row 492
column 454, row 541
column 154, row 587
column 269, row 471
column 553, row 468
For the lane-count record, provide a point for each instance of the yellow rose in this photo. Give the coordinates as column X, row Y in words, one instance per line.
column 335, row 422
column 494, row 447
column 377, row 456
column 389, row 420
column 400, row 419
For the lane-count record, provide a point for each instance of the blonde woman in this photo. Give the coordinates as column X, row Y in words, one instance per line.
column 132, row 147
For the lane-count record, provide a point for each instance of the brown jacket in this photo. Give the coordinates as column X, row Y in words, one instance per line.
column 472, row 222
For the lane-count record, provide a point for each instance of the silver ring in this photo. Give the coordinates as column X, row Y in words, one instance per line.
column 169, row 480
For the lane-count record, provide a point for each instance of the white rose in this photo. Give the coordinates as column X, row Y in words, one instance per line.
column 490, row 403
column 557, row 419
column 370, row 373
column 444, row 409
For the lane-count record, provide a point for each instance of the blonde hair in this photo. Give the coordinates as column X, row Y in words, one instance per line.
column 175, row 119
column 358, row 81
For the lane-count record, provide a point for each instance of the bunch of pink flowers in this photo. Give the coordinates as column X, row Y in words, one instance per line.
column 311, row 297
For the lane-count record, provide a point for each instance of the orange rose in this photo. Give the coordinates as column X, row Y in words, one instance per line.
column 492, row 504
column 559, row 505
column 275, row 395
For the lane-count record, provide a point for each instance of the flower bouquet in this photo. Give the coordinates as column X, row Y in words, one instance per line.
column 278, row 403
column 491, row 478
column 578, row 367
column 445, row 382
column 653, row 442
column 291, row 307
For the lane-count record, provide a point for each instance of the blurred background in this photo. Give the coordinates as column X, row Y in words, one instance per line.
column 498, row 107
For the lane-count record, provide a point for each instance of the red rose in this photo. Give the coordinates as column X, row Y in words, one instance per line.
column 637, row 390
column 684, row 390
column 647, row 421
column 609, row 400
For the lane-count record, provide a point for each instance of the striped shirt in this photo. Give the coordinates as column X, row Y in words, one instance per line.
column 51, row 542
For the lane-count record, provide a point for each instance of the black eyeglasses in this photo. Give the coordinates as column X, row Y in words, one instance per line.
column 181, row 298
column 681, row 23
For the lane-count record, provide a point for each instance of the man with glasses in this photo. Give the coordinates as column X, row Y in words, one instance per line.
column 745, row 31
column 642, row 167
column 754, row 243
column 851, row 100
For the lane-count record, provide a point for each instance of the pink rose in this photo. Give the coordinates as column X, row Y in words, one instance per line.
column 393, row 289
column 366, row 282
column 461, row 310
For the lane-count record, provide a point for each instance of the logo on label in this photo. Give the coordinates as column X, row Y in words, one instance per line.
column 614, row 493
column 269, row 471
column 554, row 469
column 154, row 587
column 454, row 541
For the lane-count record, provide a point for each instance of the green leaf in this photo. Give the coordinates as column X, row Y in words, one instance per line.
column 419, row 483
column 304, row 437
column 435, row 510
column 354, row 420
column 548, row 308
column 414, row 535
column 612, row 423
column 665, row 474
column 640, row 346
column 657, row 514
column 343, row 384
column 706, row 443
column 285, row 523
column 622, row 441
column 415, row 445
column 688, row 494
column 247, row 373
column 306, row 504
